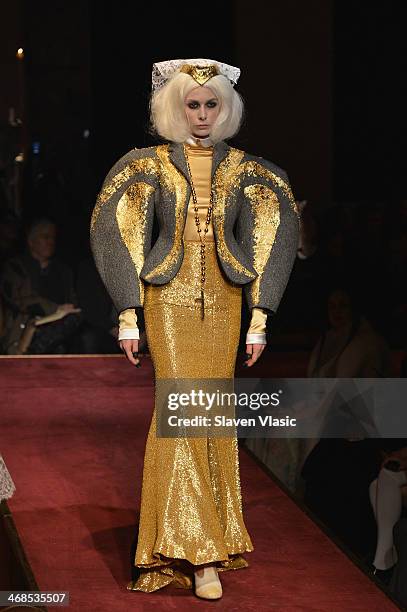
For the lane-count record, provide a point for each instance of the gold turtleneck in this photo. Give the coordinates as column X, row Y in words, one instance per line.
column 200, row 163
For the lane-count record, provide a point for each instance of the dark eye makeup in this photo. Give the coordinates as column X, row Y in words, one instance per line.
column 195, row 104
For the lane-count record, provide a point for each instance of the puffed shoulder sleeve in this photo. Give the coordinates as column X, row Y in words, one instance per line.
column 267, row 229
column 121, row 226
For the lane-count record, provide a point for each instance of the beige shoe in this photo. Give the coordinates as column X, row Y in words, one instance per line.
column 207, row 583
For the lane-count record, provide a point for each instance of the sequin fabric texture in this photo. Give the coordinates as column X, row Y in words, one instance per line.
column 191, row 503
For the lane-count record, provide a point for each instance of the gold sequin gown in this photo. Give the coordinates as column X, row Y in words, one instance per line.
column 191, row 505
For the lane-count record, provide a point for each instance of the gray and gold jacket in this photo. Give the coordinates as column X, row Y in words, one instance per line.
column 255, row 223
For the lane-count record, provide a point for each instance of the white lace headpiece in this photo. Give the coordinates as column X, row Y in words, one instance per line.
column 162, row 71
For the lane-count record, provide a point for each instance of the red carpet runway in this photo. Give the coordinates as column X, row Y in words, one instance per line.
column 72, row 433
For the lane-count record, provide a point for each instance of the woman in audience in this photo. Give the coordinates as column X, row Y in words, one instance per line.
column 338, row 470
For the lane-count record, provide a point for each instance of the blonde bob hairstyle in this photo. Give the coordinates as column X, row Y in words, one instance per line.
column 167, row 108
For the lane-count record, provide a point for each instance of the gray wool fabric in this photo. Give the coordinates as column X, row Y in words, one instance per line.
column 255, row 223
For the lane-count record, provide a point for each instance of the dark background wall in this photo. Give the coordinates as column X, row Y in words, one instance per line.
column 370, row 100
column 285, row 52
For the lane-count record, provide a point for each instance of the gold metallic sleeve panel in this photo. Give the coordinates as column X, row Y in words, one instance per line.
column 225, row 180
column 147, row 167
column 258, row 171
column 131, row 214
column 265, row 208
column 267, row 229
column 175, row 184
column 121, row 225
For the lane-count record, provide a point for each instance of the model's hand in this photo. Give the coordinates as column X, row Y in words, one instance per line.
column 129, row 347
column 254, row 350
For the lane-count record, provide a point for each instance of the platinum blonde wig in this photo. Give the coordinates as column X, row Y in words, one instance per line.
column 167, row 107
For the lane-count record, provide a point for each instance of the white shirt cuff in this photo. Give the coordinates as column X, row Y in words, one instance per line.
column 129, row 334
column 256, row 339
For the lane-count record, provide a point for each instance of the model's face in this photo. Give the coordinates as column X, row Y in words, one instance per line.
column 202, row 109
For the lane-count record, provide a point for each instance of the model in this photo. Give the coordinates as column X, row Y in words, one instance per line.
column 228, row 224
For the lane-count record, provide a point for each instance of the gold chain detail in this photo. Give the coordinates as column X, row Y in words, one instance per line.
column 198, row 225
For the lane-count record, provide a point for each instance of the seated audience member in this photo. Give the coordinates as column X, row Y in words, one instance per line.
column 338, row 470
column 35, row 285
column 349, row 347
